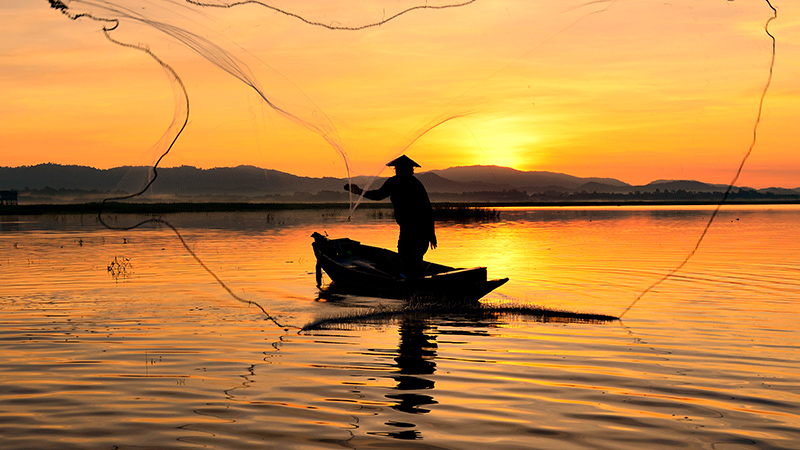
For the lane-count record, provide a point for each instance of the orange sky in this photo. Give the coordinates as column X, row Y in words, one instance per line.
column 636, row 90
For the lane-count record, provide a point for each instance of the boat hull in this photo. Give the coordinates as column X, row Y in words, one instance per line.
column 361, row 269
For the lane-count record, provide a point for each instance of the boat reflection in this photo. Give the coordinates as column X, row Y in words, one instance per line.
column 375, row 311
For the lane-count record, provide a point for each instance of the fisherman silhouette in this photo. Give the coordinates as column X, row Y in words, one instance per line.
column 412, row 211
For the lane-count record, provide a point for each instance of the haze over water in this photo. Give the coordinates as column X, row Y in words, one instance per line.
column 161, row 356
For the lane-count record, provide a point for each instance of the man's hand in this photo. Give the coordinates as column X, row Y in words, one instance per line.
column 353, row 188
column 433, row 242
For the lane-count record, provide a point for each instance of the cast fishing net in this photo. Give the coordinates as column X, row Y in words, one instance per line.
column 340, row 88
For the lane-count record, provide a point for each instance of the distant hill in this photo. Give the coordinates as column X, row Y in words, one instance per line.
column 686, row 185
column 654, row 186
column 508, row 178
column 67, row 177
column 779, row 191
column 241, row 180
column 184, row 180
column 250, row 180
column 67, row 183
column 436, row 183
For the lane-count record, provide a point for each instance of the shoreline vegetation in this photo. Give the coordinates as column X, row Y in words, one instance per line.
column 442, row 210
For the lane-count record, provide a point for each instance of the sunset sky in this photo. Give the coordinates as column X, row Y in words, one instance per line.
column 637, row 90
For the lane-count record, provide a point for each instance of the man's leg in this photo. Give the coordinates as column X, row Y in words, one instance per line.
column 411, row 249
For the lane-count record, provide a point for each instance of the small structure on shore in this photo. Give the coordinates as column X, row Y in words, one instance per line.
column 8, row 197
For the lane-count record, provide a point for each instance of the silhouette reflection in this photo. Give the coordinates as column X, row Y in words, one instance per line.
column 414, row 359
column 416, row 352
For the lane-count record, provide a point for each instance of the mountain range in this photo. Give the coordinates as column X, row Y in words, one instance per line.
column 249, row 182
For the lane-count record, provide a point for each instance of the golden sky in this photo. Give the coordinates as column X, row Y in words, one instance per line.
column 636, row 90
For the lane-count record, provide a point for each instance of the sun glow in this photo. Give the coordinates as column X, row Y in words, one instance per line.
column 508, row 142
column 508, row 157
column 638, row 92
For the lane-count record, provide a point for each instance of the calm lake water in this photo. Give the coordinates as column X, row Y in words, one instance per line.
column 159, row 355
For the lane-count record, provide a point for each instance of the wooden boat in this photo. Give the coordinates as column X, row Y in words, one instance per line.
column 361, row 269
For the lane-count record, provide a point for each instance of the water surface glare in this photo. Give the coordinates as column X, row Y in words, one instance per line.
column 156, row 354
